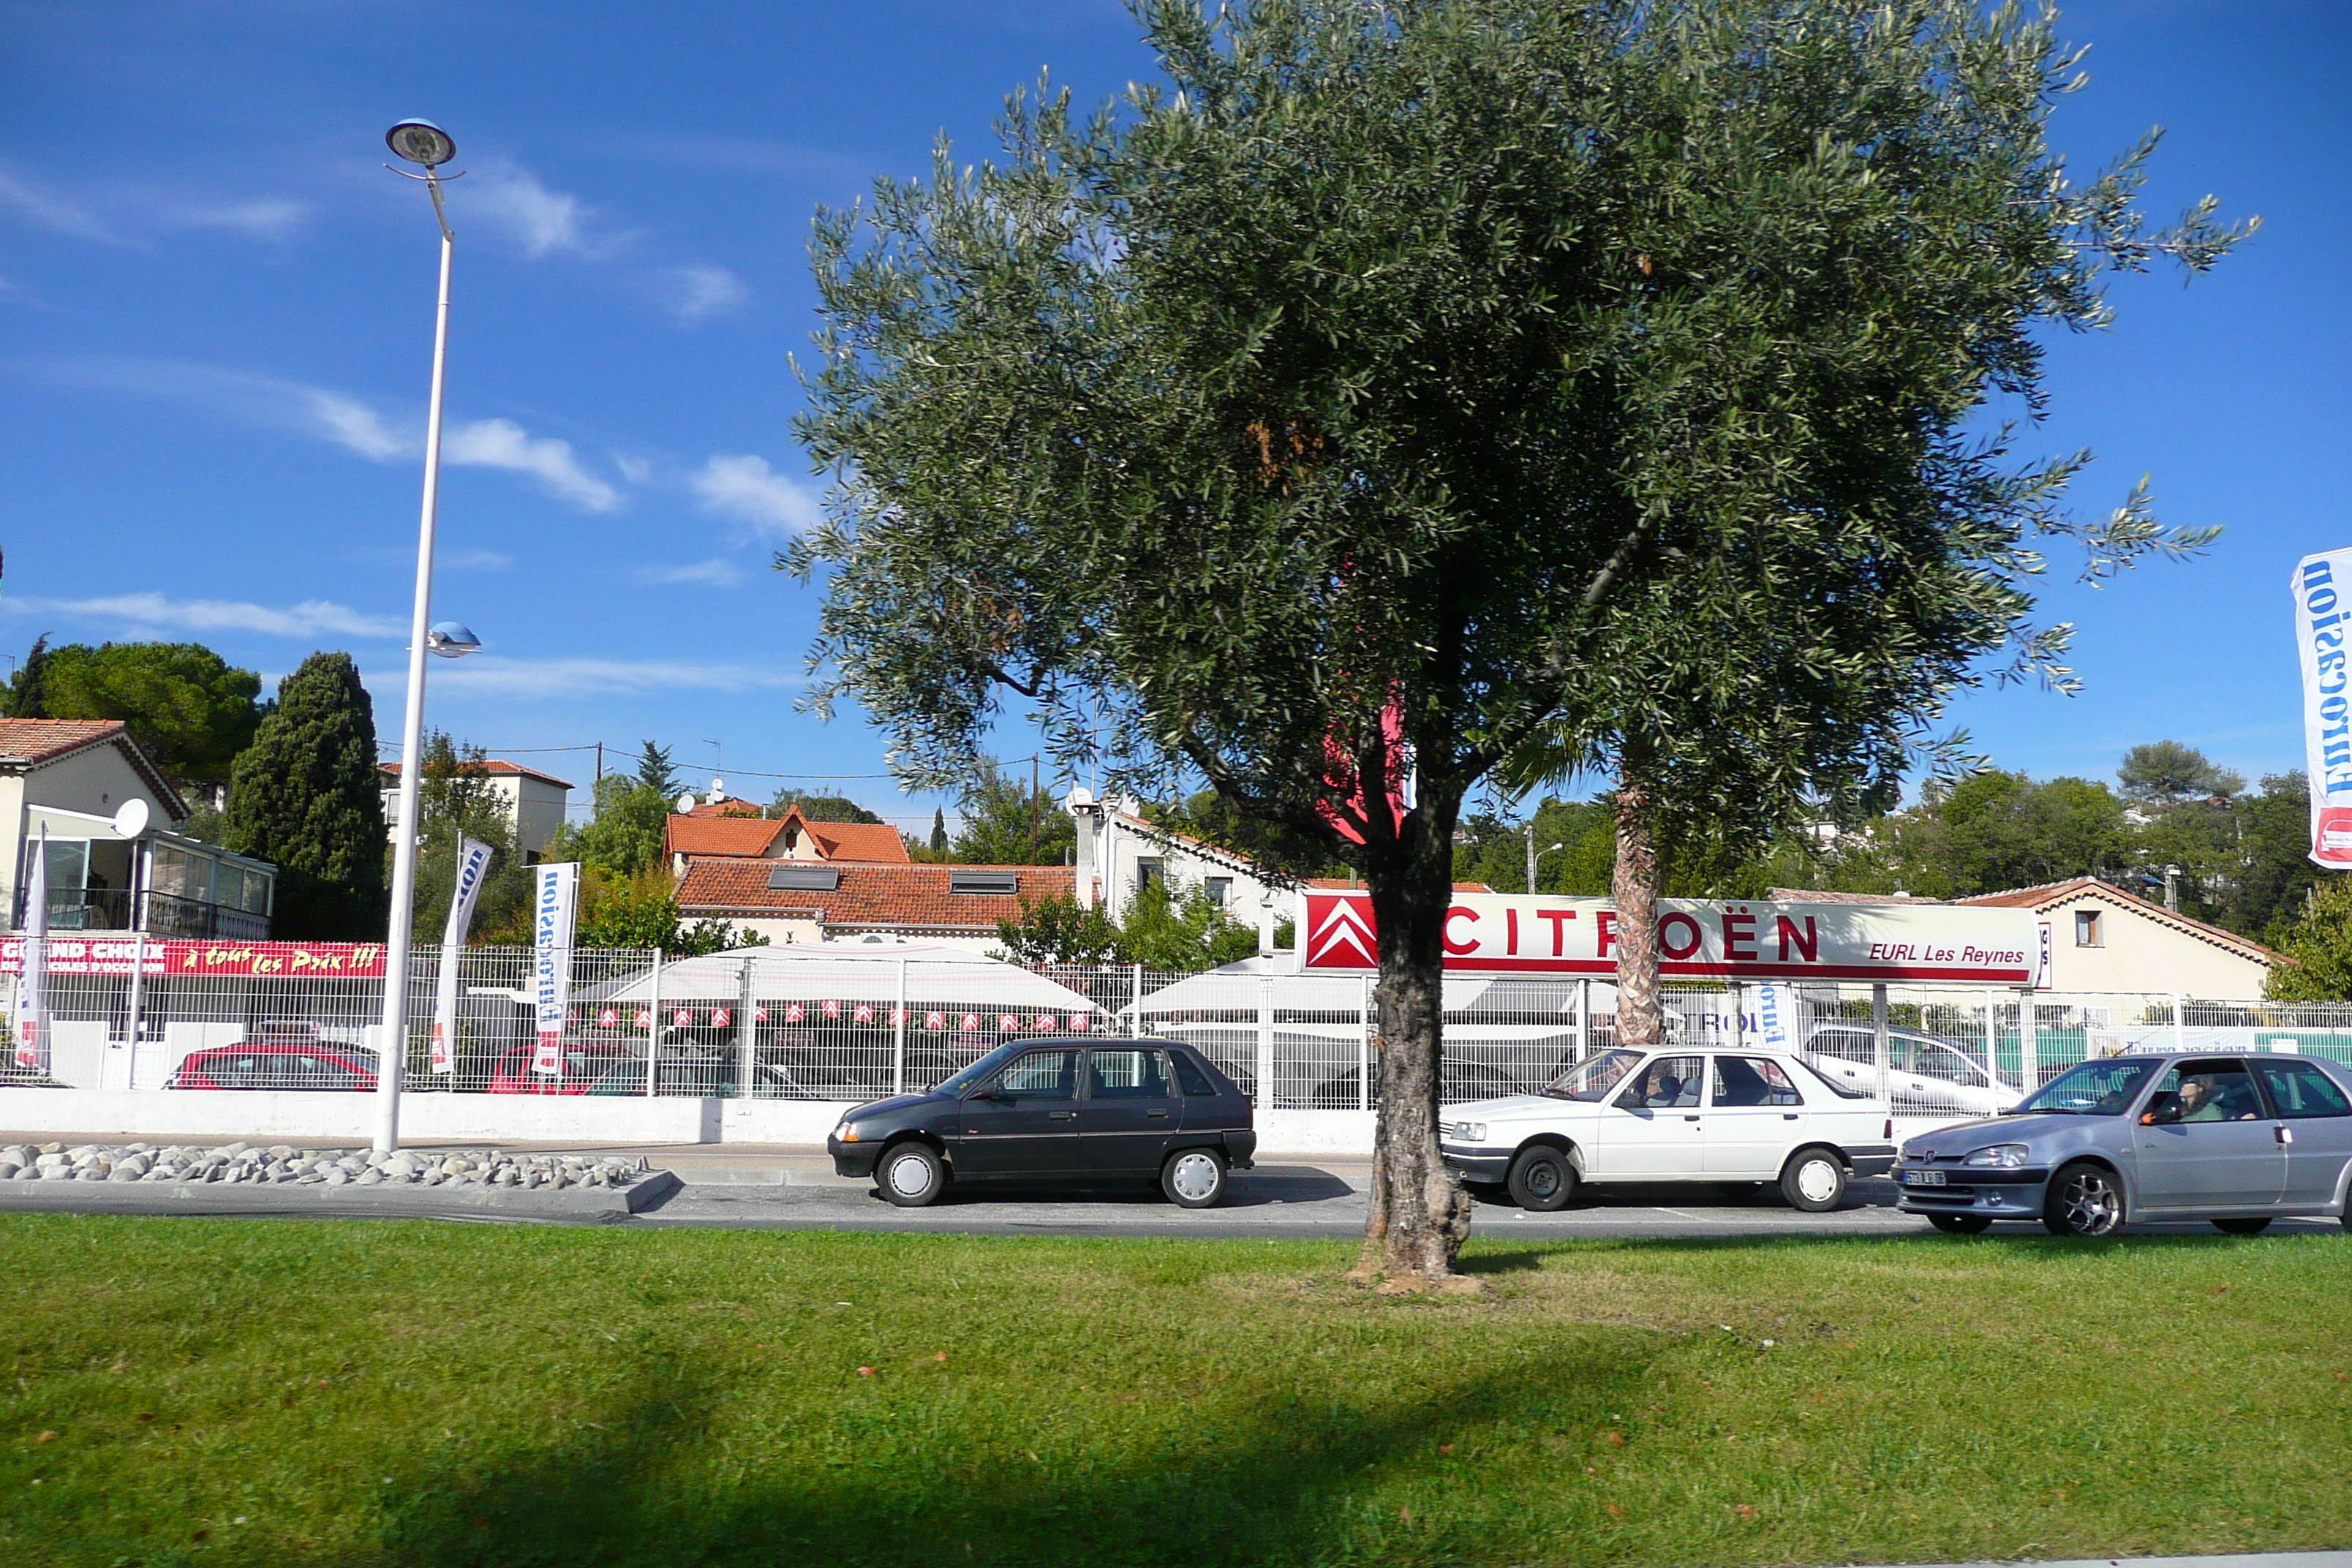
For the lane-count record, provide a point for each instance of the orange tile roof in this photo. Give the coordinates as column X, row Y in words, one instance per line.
column 494, row 767
column 39, row 740
column 737, row 835
column 913, row 899
column 870, row 841
column 30, row 742
column 730, row 806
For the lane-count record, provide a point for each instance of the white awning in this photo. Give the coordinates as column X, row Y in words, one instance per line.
column 936, row 972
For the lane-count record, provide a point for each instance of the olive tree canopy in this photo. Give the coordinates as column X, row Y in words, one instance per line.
column 1400, row 387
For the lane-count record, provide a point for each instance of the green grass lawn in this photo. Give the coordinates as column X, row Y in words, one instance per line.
column 233, row 1392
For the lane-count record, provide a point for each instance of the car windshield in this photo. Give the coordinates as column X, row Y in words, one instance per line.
column 1592, row 1081
column 974, row 1073
column 2090, row 1089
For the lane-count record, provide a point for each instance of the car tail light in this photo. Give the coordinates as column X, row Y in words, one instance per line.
column 1889, row 1133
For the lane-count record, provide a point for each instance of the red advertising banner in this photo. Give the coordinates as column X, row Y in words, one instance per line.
column 115, row 955
column 1736, row 939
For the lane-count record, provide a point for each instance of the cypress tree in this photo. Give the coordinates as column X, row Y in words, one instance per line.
column 305, row 797
column 27, row 695
column 938, row 830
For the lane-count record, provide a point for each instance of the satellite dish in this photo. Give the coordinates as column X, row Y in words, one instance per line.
column 717, row 791
column 130, row 818
column 686, row 803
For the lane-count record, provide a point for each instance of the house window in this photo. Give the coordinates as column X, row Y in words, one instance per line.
column 1220, row 891
column 1148, row 870
column 2086, row 929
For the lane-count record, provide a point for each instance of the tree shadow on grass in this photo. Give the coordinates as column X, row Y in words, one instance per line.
column 1278, row 1476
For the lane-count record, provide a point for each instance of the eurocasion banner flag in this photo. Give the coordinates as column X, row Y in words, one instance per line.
column 33, row 980
column 473, row 865
column 554, row 908
column 1731, row 938
column 2321, row 586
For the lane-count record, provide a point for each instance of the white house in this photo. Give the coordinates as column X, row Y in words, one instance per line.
column 533, row 802
column 2103, row 939
column 107, row 871
column 1119, row 851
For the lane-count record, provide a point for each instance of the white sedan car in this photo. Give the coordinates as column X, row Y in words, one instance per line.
column 1674, row 1114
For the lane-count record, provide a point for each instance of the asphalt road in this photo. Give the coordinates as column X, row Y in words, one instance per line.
column 729, row 1186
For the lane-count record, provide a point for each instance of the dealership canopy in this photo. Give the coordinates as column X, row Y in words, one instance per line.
column 813, row 972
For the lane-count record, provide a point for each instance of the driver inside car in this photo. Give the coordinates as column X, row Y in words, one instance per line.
column 2201, row 1102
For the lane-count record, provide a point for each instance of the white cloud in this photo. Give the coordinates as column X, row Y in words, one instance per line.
column 52, row 211
column 503, row 444
column 539, row 221
column 129, row 216
column 313, row 617
column 473, row 559
column 746, row 488
column 699, row 292
column 713, row 573
column 348, row 422
column 490, row 674
column 270, row 218
column 637, row 471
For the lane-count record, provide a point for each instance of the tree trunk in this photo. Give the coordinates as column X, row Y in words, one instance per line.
column 1633, row 888
column 1419, row 1214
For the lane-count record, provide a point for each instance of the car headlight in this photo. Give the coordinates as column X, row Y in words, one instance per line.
column 2008, row 1156
column 847, row 1132
column 1470, row 1131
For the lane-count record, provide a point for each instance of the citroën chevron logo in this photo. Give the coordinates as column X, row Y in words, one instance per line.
column 1339, row 932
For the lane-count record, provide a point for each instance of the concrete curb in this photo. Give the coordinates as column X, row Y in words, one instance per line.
column 576, row 1205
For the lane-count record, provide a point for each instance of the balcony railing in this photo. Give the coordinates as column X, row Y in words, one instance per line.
column 161, row 914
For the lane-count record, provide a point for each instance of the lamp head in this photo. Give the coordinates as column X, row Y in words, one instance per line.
column 421, row 141
column 451, row 639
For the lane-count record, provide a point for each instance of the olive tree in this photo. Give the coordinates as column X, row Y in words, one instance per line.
column 1402, row 389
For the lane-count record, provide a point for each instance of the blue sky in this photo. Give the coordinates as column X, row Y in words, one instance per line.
column 216, row 309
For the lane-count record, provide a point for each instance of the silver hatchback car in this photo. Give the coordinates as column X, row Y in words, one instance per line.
column 2236, row 1140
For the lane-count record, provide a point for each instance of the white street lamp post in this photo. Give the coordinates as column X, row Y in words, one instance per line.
column 422, row 142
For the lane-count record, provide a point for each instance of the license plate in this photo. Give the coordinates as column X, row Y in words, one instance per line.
column 1923, row 1178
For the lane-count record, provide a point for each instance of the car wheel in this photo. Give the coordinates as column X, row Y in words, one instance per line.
column 2254, row 1225
column 1193, row 1179
column 1960, row 1223
column 1814, row 1181
column 2083, row 1199
column 911, row 1175
column 1541, row 1179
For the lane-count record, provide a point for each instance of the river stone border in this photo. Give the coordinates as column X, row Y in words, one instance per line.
column 282, row 1178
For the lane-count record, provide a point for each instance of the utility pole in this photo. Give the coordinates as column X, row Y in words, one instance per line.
column 1034, row 850
column 1529, row 828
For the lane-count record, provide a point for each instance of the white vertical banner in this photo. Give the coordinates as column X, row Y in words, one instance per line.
column 473, row 865
column 32, row 984
column 555, row 894
column 1776, row 1016
column 2319, row 587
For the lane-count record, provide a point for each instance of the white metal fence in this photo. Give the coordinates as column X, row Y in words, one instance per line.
column 846, row 1023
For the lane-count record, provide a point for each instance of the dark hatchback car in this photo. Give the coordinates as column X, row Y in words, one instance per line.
column 1051, row 1111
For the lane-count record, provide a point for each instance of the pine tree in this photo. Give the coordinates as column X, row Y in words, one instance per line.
column 654, row 771
column 305, row 796
column 939, row 831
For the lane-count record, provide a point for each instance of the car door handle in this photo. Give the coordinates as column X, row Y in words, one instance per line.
column 1789, row 1116
column 1155, row 1116
column 1060, row 1115
column 1690, row 1118
column 2284, row 1135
